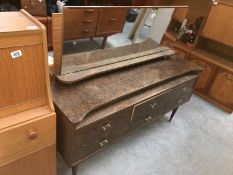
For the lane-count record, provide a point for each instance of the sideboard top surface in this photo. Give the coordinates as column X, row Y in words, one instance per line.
column 78, row 100
column 16, row 22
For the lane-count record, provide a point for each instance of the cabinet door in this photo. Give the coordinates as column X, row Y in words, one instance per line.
column 222, row 88
column 111, row 20
column 206, row 75
column 219, row 25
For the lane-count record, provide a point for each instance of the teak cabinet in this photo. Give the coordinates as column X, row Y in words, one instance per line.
column 27, row 117
column 219, row 25
column 91, row 22
column 212, row 51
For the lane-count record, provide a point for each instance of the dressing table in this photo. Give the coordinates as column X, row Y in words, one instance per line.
column 115, row 98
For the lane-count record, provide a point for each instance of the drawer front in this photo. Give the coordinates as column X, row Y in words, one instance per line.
column 111, row 21
column 36, row 7
column 180, row 95
column 80, row 23
column 93, row 137
column 150, row 110
column 27, row 138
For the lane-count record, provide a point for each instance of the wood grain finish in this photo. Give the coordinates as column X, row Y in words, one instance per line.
column 111, row 20
column 218, row 32
column 29, row 137
column 206, row 75
column 16, row 81
column 80, row 23
column 221, row 89
column 57, row 27
column 27, row 118
column 37, row 163
column 35, row 7
column 96, row 136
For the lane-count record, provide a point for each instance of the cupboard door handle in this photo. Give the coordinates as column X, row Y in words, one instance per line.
column 149, row 119
column 89, row 10
column 32, row 134
column 87, row 21
column 86, row 31
column 106, row 127
column 153, row 105
column 112, row 19
column 228, row 77
column 105, row 142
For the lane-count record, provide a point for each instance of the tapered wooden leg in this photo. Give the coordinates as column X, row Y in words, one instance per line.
column 173, row 113
column 74, row 170
column 104, row 42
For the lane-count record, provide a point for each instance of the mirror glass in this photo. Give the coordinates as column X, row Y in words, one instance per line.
column 111, row 28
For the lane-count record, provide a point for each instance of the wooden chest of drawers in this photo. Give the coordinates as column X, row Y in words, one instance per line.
column 27, row 117
column 91, row 22
column 99, row 111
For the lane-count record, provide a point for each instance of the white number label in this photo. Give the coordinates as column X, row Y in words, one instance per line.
column 16, row 54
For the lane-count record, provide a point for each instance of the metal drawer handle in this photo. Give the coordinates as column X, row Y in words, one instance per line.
column 87, row 21
column 180, row 101
column 32, row 134
column 149, row 119
column 89, row 10
column 153, row 105
column 228, row 77
column 105, row 142
column 112, row 19
column 106, row 127
column 86, row 31
column 185, row 88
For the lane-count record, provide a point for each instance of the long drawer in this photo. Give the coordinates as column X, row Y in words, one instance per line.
column 151, row 109
column 24, row 139
column 93, row 137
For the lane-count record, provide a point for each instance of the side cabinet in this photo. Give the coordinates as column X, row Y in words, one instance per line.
column 204, row 79
column 222, row 88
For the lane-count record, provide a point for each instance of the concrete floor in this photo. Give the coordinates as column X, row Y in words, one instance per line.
column 199, row 141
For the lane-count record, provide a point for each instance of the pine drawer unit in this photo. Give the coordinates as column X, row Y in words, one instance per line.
column 27, row 117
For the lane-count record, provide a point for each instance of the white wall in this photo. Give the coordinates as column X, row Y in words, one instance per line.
column 160, row 23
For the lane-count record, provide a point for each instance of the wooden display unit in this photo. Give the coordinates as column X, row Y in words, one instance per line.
column 198, row 8
column 27, row 117
column 213, row 51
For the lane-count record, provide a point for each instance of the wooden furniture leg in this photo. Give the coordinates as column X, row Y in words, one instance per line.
column 104, row 42
column 74, row 169
column 173, row 113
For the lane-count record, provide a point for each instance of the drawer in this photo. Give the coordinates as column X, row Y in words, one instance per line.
column 26, row 138
column 151, row 109
column 80, row 23
column 95, row 136
column 180, row 95
column 111, row 20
